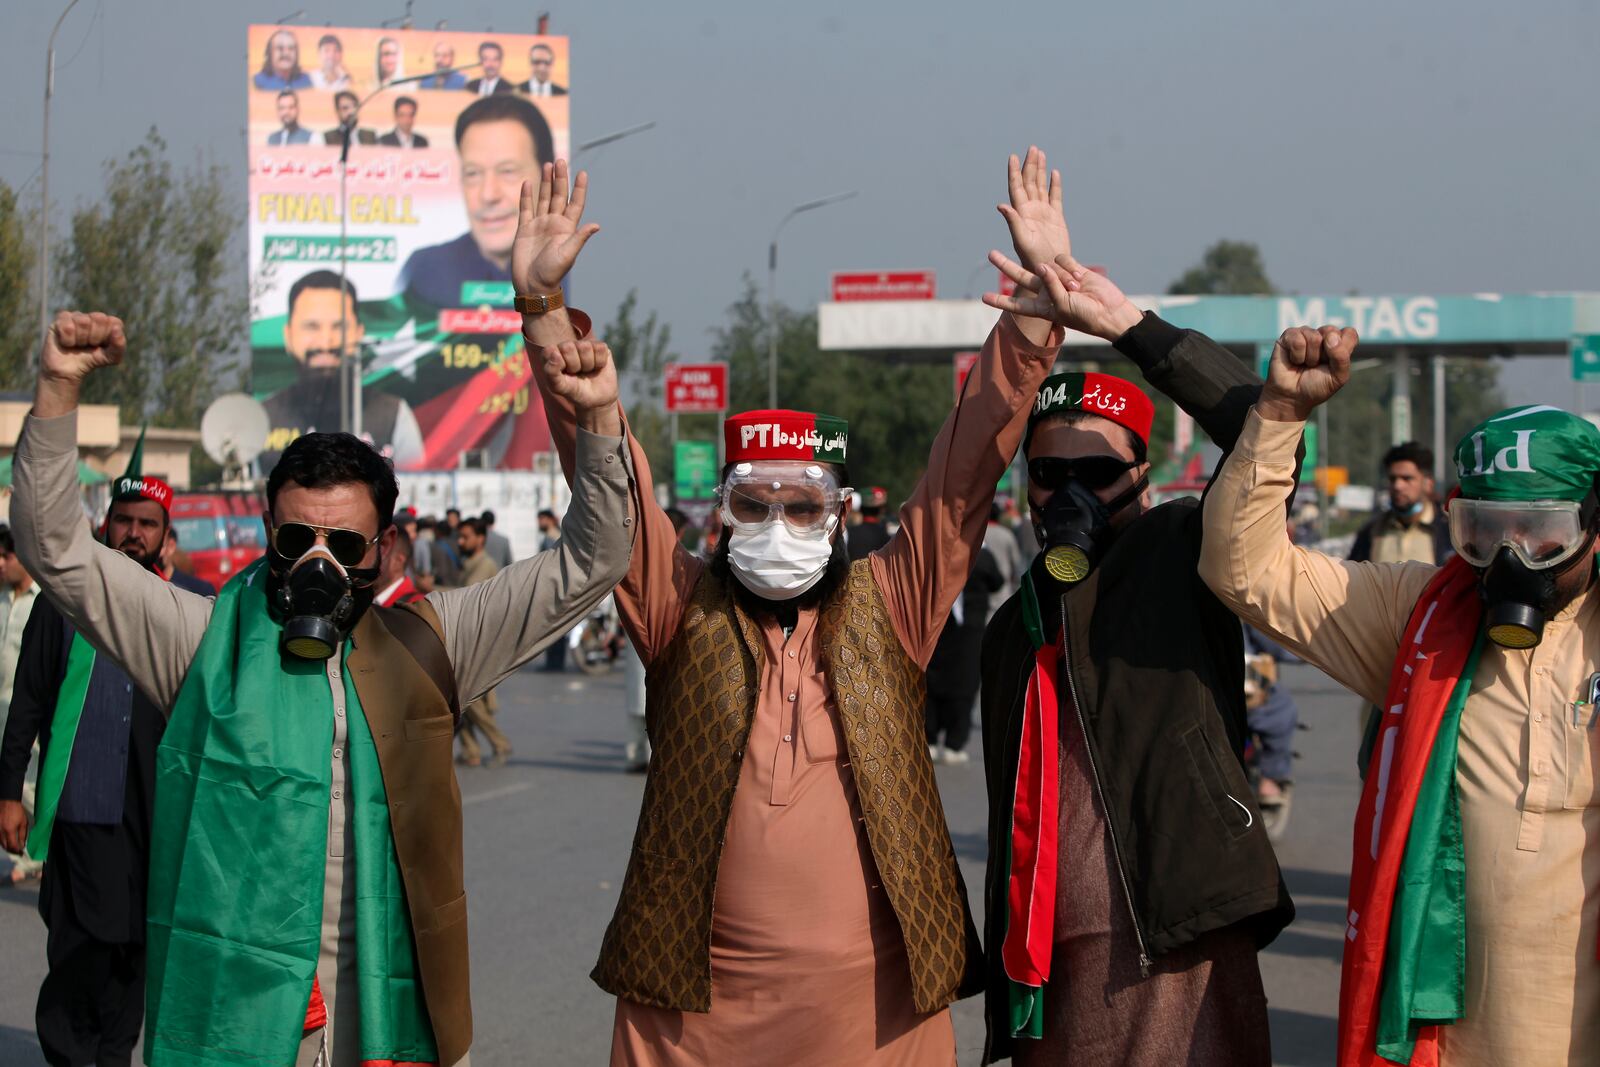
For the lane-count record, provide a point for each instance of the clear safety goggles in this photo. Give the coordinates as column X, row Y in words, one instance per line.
column 1541, row 533
column 806, row 496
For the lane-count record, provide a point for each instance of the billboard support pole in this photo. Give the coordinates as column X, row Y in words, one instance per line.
column 350, row 370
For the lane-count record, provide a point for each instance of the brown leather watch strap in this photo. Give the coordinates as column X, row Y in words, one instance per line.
column 539, row 303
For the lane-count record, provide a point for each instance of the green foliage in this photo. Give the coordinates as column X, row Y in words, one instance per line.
column 1228, row 268
column 159, row 250
column 19, row 309
column 641, row 351
column 1359, row 416
column 894, row 409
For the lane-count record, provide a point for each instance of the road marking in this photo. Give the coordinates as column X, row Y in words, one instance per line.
column 496, row 794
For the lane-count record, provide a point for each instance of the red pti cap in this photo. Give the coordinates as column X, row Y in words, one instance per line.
column 757, row 435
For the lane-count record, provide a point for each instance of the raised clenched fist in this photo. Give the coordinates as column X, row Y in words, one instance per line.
column 583, row 373
column 1308, row 366
column 80, row 342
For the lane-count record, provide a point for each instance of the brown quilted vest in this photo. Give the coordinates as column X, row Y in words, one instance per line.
column 701, row 701
column 412, row 729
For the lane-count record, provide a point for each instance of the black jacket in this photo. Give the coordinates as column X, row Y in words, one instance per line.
column 1156, row 664
column 96, row 875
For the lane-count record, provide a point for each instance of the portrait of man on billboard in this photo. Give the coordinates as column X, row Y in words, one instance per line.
column 490, row 57
column 280, row 65
column 542, row 60
column 502, row 141
column 405, row 121
column 290, row 132
column 444, row 57
column 331, row 73
column 346, row 103
column 315, row 336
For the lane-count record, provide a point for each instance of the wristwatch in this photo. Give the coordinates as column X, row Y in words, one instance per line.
column 539, row 303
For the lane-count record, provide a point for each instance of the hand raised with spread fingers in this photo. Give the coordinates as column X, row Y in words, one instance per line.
column 1309, row 365
column 1066, row 292
column 1038, row 228
column 550, row 230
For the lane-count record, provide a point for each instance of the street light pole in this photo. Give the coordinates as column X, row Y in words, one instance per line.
column 772, row 288
column 612, row 138
column 350, row 370
column 44, row 176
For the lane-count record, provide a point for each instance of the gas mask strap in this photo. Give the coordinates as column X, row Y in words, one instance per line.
column 1128, row 496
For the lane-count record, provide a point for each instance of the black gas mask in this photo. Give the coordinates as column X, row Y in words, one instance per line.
column 1074, row 526
column 319, row 602
column 1518, row 599
column 1520, row 550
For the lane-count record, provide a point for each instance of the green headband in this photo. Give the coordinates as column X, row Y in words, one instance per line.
column 1529, row 453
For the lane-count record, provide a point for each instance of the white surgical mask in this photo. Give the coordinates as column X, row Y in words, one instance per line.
column 776, row 563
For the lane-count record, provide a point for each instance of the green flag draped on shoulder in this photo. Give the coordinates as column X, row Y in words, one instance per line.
column 239, row 844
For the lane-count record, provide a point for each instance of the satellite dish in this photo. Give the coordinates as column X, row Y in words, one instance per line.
column 234, row 430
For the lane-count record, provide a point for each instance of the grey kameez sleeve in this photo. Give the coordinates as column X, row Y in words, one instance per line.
column 492, row 628
column 149, row 626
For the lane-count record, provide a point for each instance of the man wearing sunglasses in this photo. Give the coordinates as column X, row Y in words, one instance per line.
column 305, row 897
column 1473, row 917
column 1130, row 879
column 793, row 895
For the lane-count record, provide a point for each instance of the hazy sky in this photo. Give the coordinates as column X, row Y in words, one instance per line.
column 1426, row 146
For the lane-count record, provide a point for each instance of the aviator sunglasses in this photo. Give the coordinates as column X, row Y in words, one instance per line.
column 1095, row 472
column 291, row 540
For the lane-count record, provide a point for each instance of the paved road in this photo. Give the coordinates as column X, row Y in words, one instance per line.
column 547, row 838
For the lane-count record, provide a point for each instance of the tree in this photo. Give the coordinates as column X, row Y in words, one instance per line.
column 641, row 351
column 19, row 312
column 894, row 409
column 158, row 249
column 1228, row 268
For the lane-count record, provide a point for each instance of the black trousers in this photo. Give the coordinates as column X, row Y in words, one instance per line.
column 949, row 716
column 91, row 1004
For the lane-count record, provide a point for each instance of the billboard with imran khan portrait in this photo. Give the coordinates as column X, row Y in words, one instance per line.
column 432, row 172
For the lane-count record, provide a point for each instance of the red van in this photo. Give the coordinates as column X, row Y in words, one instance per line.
column 220, row 532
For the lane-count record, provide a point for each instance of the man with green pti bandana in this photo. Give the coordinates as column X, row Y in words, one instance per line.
column 1474, row 917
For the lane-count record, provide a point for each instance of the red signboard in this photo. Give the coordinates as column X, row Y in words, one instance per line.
column 964, row 363
column 883, row 285
column 695, row 388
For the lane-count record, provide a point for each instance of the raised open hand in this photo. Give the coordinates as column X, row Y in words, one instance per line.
column 79, row 343
column 1308, row 366
column 1068, row 293
column 550, row 233
column 1038, row 228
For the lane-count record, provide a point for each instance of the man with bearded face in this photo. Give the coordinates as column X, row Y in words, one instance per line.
column 321, row 311
column 1130, row 879
column 793, row 896
column 97, row 735
column 306, row 899
column 1472, row 922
